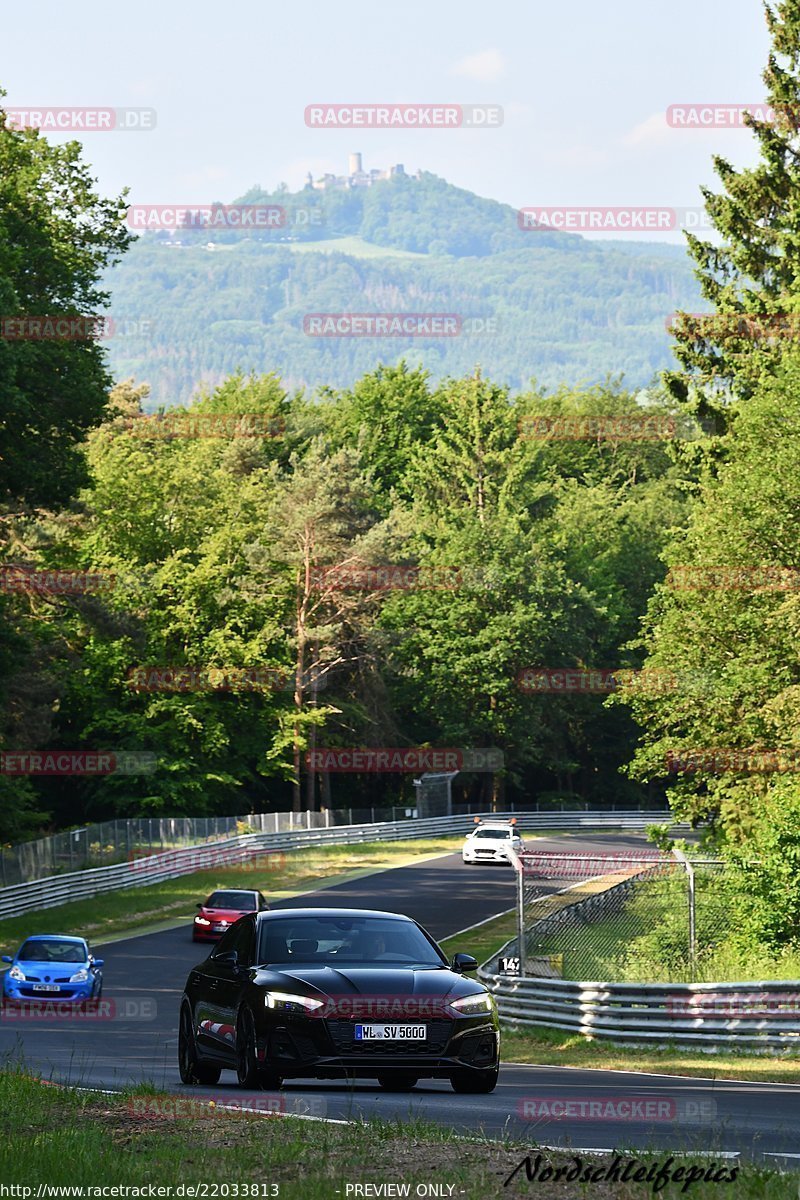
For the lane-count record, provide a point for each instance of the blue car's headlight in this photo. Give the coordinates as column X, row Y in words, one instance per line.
column 17, row 974
column 289, row 1003
column 79, row 976
column 472, row 1005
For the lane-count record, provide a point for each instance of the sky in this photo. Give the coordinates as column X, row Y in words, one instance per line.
column 584, row 89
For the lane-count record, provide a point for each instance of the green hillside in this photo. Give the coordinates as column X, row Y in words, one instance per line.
column 196, row 306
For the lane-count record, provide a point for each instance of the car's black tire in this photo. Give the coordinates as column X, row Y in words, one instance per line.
column 398, row 1082
column 192, row 1070
column 475, row 1083
column 249, row 1072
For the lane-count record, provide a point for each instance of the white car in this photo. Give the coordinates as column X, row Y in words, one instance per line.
column 489, row 841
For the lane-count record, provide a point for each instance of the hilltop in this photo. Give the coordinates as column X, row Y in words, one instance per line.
column 192, row 306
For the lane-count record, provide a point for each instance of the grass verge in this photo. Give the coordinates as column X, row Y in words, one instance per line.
column 277, row 876
column 556, row 1048
column 57, row 1137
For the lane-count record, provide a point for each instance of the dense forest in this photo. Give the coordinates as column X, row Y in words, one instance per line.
column 193, row 306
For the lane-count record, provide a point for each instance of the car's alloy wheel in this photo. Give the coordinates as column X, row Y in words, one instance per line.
column 474, row 1082
column 397, row 1083
column 248, row 1071
column 191, row 1070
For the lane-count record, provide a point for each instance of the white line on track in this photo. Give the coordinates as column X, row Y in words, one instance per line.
column 714, row 1079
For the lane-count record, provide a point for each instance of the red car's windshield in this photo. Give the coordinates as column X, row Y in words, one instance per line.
column 238, row 901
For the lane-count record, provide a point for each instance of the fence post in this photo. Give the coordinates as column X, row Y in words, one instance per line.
column 681, row 857
column 522, row 949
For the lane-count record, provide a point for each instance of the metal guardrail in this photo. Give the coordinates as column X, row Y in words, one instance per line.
column 81, row 885
column 762, row 1015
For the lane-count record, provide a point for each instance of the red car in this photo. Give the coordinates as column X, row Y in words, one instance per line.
column 221, row 909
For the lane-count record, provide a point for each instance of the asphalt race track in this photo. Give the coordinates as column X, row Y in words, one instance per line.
column 144, row 978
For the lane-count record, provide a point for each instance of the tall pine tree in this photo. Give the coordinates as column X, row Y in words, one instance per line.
column 750, row 274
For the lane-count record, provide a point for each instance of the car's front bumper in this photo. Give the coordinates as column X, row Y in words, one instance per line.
column 298, row 1048
column 473, row 856
column 69, row 992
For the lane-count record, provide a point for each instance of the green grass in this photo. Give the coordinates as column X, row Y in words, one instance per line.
column 58, row 1137
column 557, row 1048
column 288, row 874
column 354, row 246
column 486, row 940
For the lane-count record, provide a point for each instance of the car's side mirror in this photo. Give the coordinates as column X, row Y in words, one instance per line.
column 228, row 958
column 198, row 905
column 463, row 962
column 98, row 962
column 7, row 958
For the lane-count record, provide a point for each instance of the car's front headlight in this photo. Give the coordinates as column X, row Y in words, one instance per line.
column 286, row 1002
column 472, row 1005
column 79, row 976
column 17, row 974
column 201, row 921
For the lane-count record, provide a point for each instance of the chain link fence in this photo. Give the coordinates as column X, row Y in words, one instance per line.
column 638, row 917
column 110, row 842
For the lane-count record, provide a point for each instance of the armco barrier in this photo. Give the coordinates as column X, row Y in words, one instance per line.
column 756, row 1016
column 81, row 885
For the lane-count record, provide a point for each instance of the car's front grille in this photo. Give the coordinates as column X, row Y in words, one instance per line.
column 343, row 1036
column 38, row 979
column 61, row 994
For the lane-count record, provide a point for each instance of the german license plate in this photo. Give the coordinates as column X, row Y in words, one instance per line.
column 391, row 1033
column 46, row 987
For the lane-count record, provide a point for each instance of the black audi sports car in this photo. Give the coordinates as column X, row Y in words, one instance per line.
column 327, row 993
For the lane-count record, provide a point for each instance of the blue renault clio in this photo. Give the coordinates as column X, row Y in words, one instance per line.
column 53, row 966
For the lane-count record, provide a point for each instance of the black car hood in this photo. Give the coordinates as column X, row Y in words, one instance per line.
column 372, row 981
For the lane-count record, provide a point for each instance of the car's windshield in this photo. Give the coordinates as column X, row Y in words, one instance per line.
column 345, row 941
column 52, row 950
column 238, row 901
column 494, row 834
